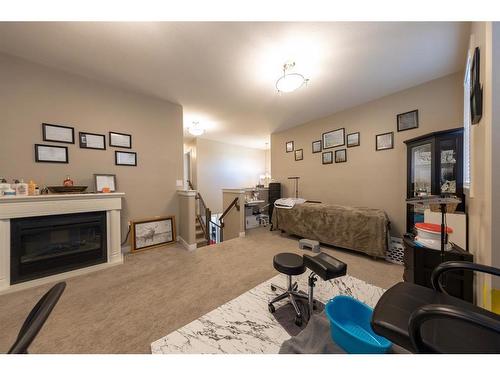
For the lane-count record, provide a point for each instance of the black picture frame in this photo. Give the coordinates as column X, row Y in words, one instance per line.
column 358, row 140
column 83, row 143
column 377, row 148
column 291, row 148
column 46, row 137
column 316, row 143
column 110, row 140
column 96, row 184
column 325, row 144
column 330, row 153
column 126, row 164
column 476, row 95
column 40, row 159
column 407, row 120
column 297, row 152
column 339, row 159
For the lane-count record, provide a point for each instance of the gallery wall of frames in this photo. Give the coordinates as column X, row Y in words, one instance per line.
column 334, row 144
column 56, row 133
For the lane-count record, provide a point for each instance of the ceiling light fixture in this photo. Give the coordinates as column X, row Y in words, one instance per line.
column 196, row 129
column 290, row 81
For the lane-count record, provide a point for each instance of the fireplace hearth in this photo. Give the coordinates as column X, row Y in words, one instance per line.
column 48, row 245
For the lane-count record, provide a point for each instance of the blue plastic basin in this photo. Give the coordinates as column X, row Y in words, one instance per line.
column 350, row 327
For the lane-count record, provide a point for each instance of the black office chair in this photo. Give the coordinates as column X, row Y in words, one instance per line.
column 36, row 319
column 425, row 320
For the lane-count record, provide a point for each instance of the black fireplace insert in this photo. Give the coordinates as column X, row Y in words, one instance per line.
column 47, row 245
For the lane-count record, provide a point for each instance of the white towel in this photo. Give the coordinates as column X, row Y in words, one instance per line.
column 288, row 203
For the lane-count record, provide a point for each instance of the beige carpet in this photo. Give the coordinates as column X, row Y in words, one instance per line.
column 125, row 308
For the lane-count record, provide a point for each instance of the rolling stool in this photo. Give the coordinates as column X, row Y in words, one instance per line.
column 289, row 264
column 324, row 266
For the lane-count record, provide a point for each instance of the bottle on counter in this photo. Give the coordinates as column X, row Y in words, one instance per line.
column 37, row 190
column 3, row 186
column 14, row 184
column 31, row 188
column 9, row 192
column 68, row 181
column 22, row 188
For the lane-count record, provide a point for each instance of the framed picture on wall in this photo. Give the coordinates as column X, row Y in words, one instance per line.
column 341, row 156
column 384, row 141
column 147, row 234
column 58, row 133
column 92, row 141
column 120, row 140
column 126, row 158
column 51, row 154
column 353, row 139
column 105, row 182
column 299, row 154
column 316, row 146
column 407, row 120
column 327, row 157
column 289, row 146
column 335, row 138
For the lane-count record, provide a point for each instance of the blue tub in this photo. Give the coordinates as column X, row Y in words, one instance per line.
column 350, row 327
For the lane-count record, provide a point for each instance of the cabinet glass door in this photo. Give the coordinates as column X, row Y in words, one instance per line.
column 420, row 180
column 421, row 171
column 448, row 166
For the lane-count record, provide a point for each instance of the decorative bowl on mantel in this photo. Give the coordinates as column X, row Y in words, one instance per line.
column 67, row 189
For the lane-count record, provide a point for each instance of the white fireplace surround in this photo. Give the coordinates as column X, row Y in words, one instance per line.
column 57, row 204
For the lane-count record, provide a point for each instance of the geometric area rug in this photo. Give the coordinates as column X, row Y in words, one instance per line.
column 245, row 326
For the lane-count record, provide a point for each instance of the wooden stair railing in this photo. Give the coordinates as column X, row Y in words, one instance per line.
column 204, row 215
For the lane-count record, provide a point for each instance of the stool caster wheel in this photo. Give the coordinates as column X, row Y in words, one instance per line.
column 273, row 288
column 271, row 308
column 298, row 321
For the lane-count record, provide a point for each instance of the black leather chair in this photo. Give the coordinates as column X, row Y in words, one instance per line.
column 36, row 319
column 425, row 320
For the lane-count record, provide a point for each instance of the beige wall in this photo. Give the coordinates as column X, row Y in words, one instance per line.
column 31, row 94
column 484, row 205
column 220, row 165
column 187, row 217
column 369, row 178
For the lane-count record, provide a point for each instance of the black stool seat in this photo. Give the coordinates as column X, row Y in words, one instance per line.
column 325, row 266
column 289, row 264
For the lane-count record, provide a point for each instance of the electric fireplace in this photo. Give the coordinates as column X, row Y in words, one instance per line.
column 48, row 245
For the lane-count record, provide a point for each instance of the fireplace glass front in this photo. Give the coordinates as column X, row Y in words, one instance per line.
column 47, row 245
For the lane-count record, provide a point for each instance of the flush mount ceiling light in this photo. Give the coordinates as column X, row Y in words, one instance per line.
column 290, row 81
column 196, row 129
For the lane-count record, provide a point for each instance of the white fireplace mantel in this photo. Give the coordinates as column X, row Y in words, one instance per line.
column 57, row 204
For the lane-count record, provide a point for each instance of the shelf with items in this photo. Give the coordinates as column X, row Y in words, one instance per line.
column 434, row 167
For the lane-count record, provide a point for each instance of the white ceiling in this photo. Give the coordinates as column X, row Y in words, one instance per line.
column 224, row 74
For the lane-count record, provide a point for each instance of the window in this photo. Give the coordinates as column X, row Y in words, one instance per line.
column 467, row 120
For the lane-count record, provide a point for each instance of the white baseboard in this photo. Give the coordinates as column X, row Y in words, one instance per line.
column 189, row 247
